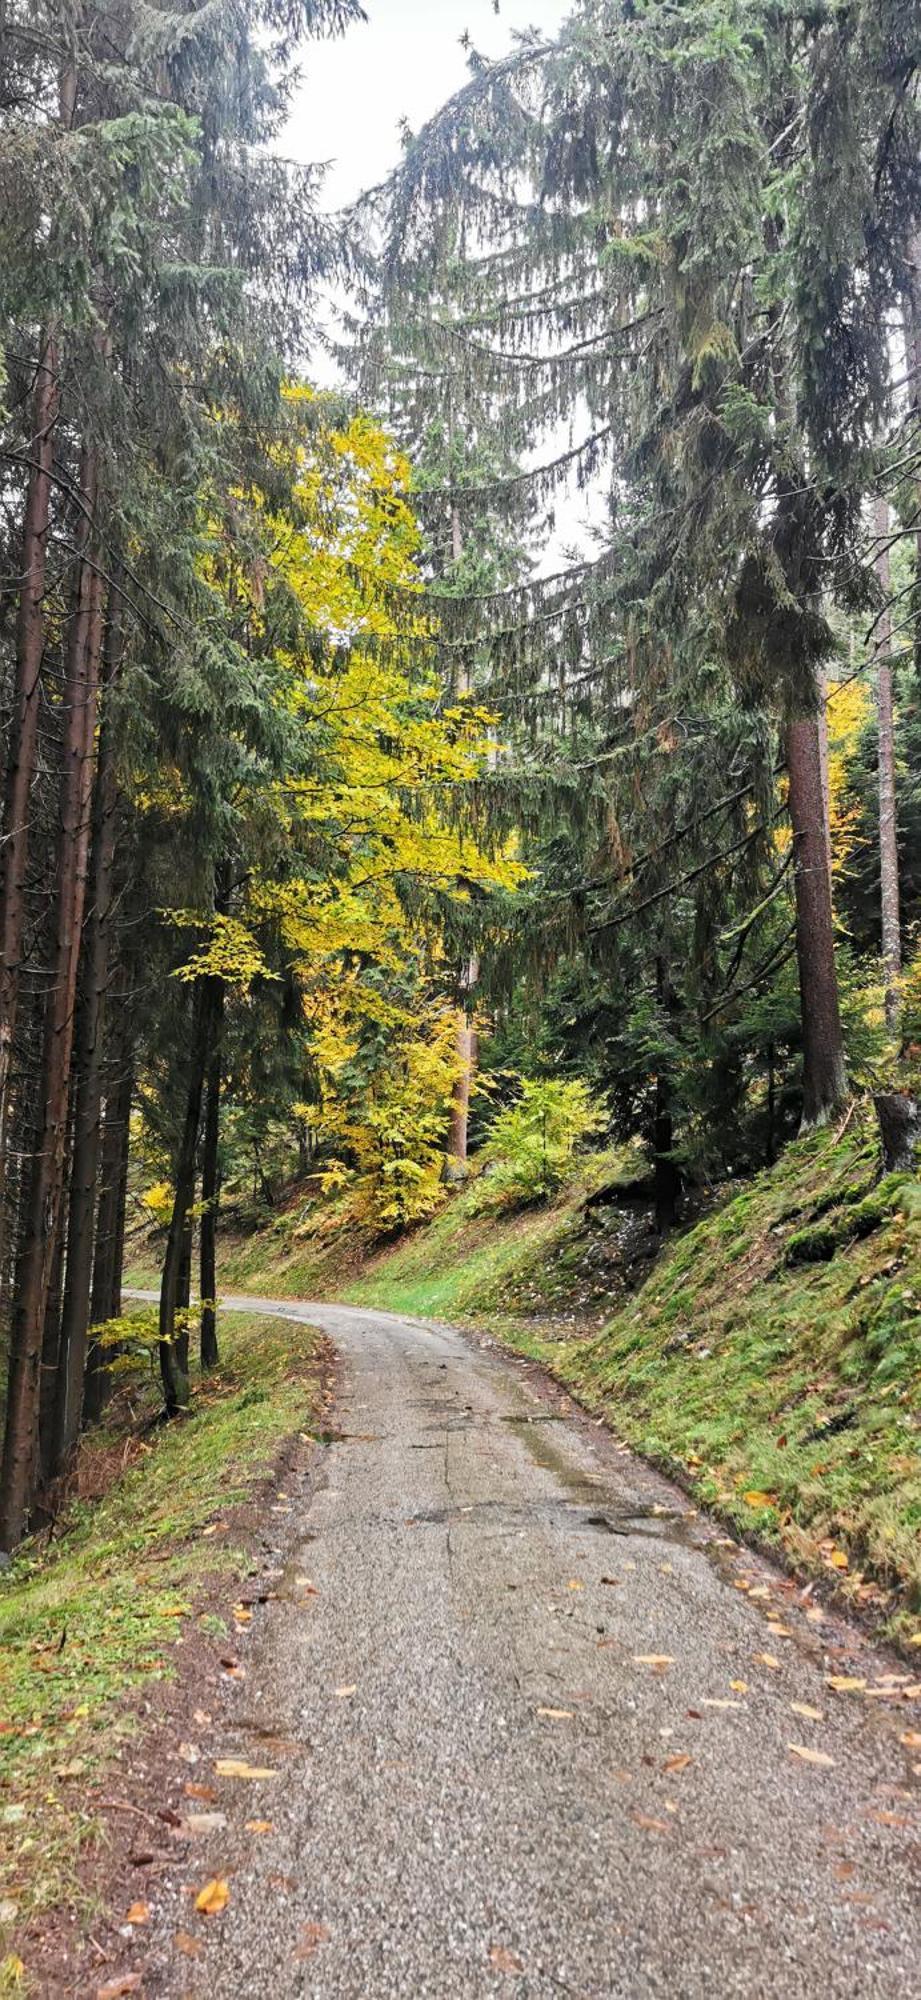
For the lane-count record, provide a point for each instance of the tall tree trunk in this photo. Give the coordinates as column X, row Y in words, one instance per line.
column 824, row 1071
column 46, row 1174
column 90, row 1030
column 23, row 742
column 888, row 831
column 174, row 1347
column 210, row 1194
column 109, row 1233
column 467, row 1051
column 913, row 358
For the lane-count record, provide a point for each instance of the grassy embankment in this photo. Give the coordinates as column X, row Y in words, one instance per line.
column 140, row 1560
column 772, row 1358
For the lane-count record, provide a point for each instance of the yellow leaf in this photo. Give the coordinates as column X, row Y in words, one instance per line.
column 739, row 1687
column 757, row 1499
column 213, row 1898
column 236, row 1767
column 259, row 1825
column 767, row 1660
column 808, row 1756
column 803, row 1708
column 653, row 1660
column 838, row 1559
column 844, row 1683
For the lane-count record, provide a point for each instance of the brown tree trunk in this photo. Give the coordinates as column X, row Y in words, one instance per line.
column 109, row 1234
column 90, row 1030
column 888, row 831
column 210, row 1194
column 174, row 1346
column 23, row 742
column 824, row 1070
column 467, row 1051
column 913, row 360
column 46, row 1174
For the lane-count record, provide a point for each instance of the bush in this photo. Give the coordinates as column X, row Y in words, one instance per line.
column 532, row 1146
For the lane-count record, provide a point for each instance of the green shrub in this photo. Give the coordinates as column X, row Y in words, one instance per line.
column 532, row 1147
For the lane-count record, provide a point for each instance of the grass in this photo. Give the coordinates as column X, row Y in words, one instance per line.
column 101, row 1610
column 773, row 1359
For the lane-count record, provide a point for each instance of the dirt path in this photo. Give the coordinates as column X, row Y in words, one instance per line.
column 530, row 1737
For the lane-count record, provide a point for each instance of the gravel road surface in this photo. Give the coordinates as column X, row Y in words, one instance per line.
column 531, row 1735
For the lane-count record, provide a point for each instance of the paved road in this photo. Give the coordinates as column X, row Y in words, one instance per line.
column 525, row 1742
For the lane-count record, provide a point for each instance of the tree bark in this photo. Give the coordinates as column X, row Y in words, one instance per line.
column 824, row 1069
column 46, row 1175
column 888, row 830
column 23, row 743
column 467, row 1050
column 899, row 1118
column 210, row 1195
column 90, row 1030
column 174, row 1348
column 109, row 1233
column 913, row 359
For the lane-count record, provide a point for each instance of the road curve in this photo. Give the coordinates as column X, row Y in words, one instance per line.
column 528, row 1736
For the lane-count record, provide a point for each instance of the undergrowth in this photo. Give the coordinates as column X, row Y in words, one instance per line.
column 99, row 1607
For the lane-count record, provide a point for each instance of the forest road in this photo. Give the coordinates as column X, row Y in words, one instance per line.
column 530, row 1737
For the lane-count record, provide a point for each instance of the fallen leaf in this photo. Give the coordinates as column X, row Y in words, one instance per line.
column 197, row 1823
column 810, row 1756
column 649, row 1824
column 739, row 1687
column 189, row 1752
column 242, row 1614
column 890, row 1819
column 556, row 1714
column 213, row 1898
column 915, row 1639
column 311, row 1935
column 844, row 1683
column 139, row 1913
column 206, row 1792
column 128, row 1982
column 911, row 1739
column 762, row 1591
column 679, row 1762
column 259, row 1825
column 653, row 1660
column 504, row 1961
column 768, row 1660
column 803, row 1708
column 717, row 1701
column 838, row 1559
column 575, row 1583
column 236, row 1767
column 190, row 1947
column 757, row 1499
column 343, row 1692
column 843, row 1870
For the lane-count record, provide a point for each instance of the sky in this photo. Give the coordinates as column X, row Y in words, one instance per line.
column 402, row 63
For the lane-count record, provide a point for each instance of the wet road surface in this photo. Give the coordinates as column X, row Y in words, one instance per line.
column 530, row 1736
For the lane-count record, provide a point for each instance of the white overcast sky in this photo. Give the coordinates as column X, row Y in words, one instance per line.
column 403, row 62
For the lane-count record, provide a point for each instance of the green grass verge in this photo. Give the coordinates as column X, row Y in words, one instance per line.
column 773, row 1358
column 100, row 1610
